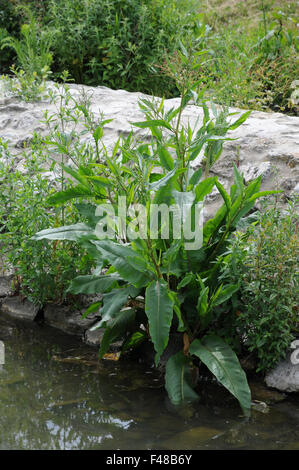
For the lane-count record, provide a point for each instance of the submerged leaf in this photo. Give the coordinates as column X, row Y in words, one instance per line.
column 178, row 379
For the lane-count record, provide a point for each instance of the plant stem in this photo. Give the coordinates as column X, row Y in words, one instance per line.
column 151, row 254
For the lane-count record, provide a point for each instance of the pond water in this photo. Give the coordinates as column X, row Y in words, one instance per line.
column 49, row 401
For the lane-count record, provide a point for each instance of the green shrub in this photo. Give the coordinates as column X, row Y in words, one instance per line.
column 42, row 270
column 116, row 43
column 253, row 55
column 264, row 260
column 277, row 63
column 103, row 42
column 27, row 87
column 33, row 61
column 32, row 50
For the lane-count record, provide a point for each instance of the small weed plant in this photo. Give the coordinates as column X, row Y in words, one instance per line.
column 34, row 60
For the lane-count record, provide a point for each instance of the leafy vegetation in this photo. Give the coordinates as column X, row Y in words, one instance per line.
column 42, row 271
column 154, row 286
column 254, row 53
column 114, row 43
column 34, row 59
column 199, row 284
column 264, row 260
column 252, row 50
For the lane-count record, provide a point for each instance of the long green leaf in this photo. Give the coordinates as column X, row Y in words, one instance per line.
column 71, row 193
column 117, row 329
column 166, row 159
column 162, row 182
column 253, row 187
column 67, row 232
column 91, row 284
column 152, row 123
column 239, row 121
column 238, row 180
column 262, row 194
column 224, row 195
column 224, row 293
column 204, row 188
column 130, row 265
column 223, row 363
column 92, row 309
column 178, row 380
column 212, row 226
column 196, row 176
column 114, row 301
column 159, row 310
column 75, row 174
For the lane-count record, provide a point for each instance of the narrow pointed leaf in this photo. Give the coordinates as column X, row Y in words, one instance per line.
column 152, row 123
column 224, row 194
column 92, row 309
column 71, row 193
column 159, row 310
column 224, row 294
column 239, row 121
column 238, row 180
column 163, row 181
column 262, row 194
column 165, row 158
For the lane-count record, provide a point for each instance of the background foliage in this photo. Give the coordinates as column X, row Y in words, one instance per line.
column 112, row 43
column 253, row 48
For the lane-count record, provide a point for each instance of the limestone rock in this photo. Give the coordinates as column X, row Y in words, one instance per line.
column 261, row 394
column 94, row 338
column 16, row 308
column 284, row 377
column 251, row 172
column 6, row 288
column 296, row 189
column 266, row 144
column 67, row 319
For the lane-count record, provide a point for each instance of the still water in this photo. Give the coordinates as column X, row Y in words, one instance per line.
column 51, row 400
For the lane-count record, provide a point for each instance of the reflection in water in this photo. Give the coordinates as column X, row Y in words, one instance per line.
column 52, row 404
